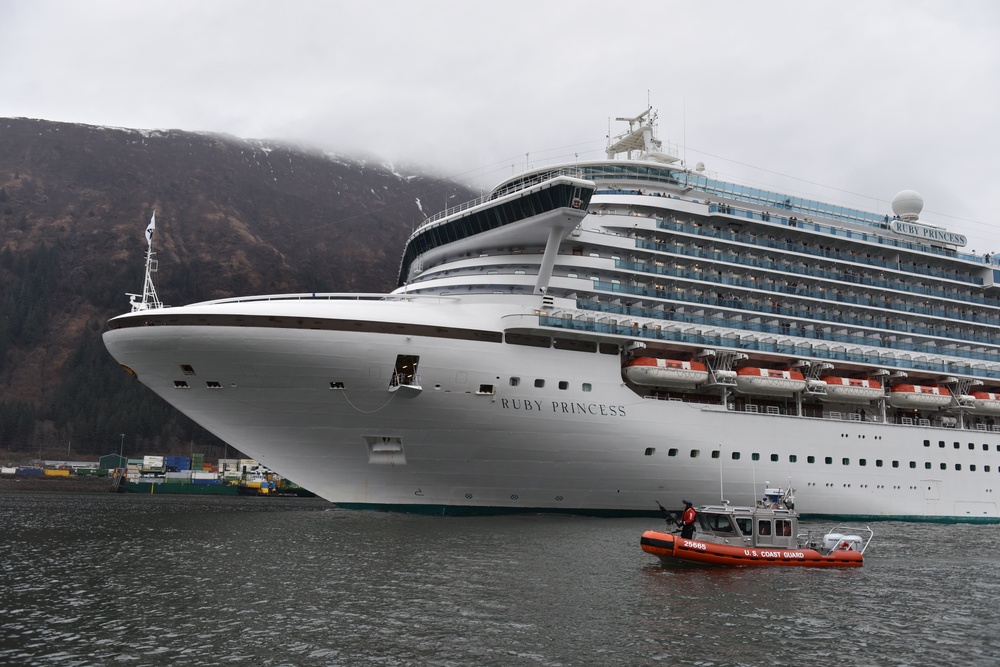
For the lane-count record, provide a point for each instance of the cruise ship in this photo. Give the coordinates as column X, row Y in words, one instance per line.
column 595, row 337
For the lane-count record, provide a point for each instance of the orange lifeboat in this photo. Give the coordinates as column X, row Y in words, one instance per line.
column 851, row 390
column 987, row 402
column 769, row 382
column 653, row 372
column 918, row 396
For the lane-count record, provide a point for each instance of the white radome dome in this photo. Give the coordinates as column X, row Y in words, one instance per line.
column 908, row 204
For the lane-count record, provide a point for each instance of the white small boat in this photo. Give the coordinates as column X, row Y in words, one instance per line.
column 769, row 382
column 653, row 372
column 986, row 402
column 851, row 390
column 918, row 396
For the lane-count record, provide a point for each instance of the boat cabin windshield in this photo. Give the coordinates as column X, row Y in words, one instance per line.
column 719, row 524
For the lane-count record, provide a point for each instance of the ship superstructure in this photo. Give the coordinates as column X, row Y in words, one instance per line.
column 590, row 337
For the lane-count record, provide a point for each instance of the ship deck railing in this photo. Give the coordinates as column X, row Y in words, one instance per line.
column 832, row 296
column 861, row 416
column 788, row 348
column 845, row 275
column 840, row 232
column 892, row 347
column 889, row 335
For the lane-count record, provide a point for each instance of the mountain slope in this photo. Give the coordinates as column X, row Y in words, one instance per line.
column 232, row 216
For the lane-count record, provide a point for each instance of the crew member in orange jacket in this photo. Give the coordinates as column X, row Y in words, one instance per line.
column 687, row 520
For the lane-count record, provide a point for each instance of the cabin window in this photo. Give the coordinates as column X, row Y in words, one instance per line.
column 746, row 526
column 187, row 369
column 563, row 385
column 927, row 443
column 586, row 386
column 972, row 467
column 528, row 340
column 764, row 527
column 672, row 452
column 986, row 468
column 783, row 527
column 695, row 453
column 972, row 445
column 716, row 523
column 895, row 464
column 941, row 444
column 755, row 456
column 927, row 465
column 335, row 384
column 913, row 464
column 514, row 382
column 650, row 451
column 986, row 447
column 716, row 453
column 957, row 445
column 845, row 461
column 810, row 459
column 577, row 345
column 828, row 460
column 212, row 384
column 180, row 384
column 862, row 462
column 878, row 463
column 736, row 456
column 539, row 383
column 774, row 457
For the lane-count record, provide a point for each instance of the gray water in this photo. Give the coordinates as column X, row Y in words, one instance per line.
column 174, row 580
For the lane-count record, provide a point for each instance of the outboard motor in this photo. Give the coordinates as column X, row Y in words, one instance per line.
column 834, row 541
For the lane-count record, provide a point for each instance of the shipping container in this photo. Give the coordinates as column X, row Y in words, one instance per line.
column 30, row 471
column 56, row 472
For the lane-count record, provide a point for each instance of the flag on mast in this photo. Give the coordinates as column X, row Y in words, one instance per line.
column 150, row 228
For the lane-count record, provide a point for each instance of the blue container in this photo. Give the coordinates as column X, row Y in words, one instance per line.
column 206, row 481
column 30, row 471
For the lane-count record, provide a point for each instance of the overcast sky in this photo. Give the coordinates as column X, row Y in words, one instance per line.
column 847, row 101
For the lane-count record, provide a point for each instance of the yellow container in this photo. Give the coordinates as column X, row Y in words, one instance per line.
column 56, row 473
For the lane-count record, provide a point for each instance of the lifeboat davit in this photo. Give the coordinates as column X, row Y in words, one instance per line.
column 851, row 390
column 918, row 396
column 653, row 372
column 987, row 403
column 769, row 382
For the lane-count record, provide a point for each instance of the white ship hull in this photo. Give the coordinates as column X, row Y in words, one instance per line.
column 453, row 448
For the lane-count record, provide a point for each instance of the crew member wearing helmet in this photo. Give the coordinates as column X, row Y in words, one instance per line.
column 687, row 520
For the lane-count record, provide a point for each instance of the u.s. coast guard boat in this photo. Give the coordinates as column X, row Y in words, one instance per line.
column 588, row 337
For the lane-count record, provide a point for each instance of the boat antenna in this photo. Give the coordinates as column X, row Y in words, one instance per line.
column 148, row 299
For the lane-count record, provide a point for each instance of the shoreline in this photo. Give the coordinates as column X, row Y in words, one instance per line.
column 36, row 483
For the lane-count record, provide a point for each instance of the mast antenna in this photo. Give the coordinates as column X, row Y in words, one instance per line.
column 148, row 299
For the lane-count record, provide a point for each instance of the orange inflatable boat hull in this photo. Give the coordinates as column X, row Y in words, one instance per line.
column 669, row 547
